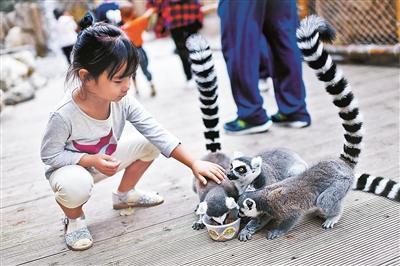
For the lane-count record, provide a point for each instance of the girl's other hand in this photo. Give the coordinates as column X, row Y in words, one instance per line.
column 105, row 164
column 202, row 169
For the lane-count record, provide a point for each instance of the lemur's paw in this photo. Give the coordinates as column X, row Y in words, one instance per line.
column 274, row 234
column 244, row 235
column 197, row 225
column 329, row 223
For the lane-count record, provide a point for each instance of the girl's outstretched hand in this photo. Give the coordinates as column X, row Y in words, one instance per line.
column 202, row 169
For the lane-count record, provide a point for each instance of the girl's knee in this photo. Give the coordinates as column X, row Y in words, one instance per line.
column 151, row 152
column 72, row 185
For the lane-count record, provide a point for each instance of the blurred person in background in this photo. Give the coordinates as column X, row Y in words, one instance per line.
column 243, row 23
column 134, row 26
column 108, row 11
column 182, row 18
column 265, row 82
column 65, row 30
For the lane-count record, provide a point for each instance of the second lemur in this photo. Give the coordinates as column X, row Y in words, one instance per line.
column 323, row 186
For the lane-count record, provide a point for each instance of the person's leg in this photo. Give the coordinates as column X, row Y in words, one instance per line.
column 132, row 175
column 179, row 35
column 72, row 186
column 265, row 59
column 144, row 64
column 136, row 155
column 265, row 82
column 240, row 28
column 280, row 25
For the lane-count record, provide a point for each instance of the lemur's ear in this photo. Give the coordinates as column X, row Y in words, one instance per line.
column 237, row 154
column 256, row 162
column 202, row 209
column 231, row 203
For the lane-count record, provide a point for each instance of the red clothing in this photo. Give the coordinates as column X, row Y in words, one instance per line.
column 134, row 29
column 178, row 13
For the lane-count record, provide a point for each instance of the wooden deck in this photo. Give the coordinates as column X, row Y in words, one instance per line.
column 368, row 234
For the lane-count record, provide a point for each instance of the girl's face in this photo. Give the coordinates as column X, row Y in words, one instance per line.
column 110, row 90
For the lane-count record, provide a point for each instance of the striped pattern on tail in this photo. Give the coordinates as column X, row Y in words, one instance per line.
column 312, row 31
column 206, row 80
column 378, row 185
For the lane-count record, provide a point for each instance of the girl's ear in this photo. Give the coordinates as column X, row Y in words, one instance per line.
column 84, row 75
column 231, row 203
column 202, row 209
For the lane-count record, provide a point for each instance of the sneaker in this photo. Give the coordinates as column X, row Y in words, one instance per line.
column 136, row 198
column 76, row 234
column 288, row 121
column 265, row 85
column 241, row 127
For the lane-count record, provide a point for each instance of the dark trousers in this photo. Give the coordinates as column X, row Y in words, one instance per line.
column 67, row 52
column 180, row 35
column 242, row 24
column 144, row 63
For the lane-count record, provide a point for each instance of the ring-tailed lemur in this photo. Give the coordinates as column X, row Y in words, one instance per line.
column 324, row 185
column 217, row 201
column 265, row 169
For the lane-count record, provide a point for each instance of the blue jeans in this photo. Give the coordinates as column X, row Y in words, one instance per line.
column 144, row 63
column 243, row 23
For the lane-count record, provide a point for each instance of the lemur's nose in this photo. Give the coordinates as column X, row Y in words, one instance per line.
column 231, row 176
column 249, row 203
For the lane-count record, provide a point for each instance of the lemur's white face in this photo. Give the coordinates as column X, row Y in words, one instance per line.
column 243, row 174
column 249, row 208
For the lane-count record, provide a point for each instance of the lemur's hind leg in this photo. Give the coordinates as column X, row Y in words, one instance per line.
column 283, row 227
column 253, row 226
column 330, row 203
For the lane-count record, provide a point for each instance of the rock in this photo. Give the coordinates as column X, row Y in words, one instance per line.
column 20, row 93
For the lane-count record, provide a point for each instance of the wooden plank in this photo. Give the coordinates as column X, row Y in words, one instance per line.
column 193, row 247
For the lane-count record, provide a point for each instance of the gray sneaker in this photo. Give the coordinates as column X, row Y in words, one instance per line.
column 136, row 198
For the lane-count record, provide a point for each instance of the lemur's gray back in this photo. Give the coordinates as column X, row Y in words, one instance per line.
column 285, row 162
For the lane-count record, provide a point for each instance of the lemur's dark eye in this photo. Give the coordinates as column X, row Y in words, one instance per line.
column 241, row 169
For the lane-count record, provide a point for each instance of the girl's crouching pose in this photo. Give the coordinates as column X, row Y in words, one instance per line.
column 81, row 143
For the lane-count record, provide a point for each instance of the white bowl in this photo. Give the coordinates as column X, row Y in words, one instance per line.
column 222, row 232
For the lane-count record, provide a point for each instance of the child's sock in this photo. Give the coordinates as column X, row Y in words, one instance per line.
column 75, row 224
column 123, row 196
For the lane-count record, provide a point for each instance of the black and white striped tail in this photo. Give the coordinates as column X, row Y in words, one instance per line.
column 206, row 80
column 312, row 31
column 378, row 185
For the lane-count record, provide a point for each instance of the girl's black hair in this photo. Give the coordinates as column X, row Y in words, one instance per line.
column 102, row 47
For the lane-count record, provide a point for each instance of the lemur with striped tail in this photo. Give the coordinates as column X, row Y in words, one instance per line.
column 270, row 166
column 217, row 201
column 323, row 186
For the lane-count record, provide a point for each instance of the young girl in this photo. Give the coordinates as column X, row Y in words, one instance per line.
column 81, row 142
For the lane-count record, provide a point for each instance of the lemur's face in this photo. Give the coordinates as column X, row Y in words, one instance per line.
column 244, row 170
column 217, row 210
column 248, row 207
